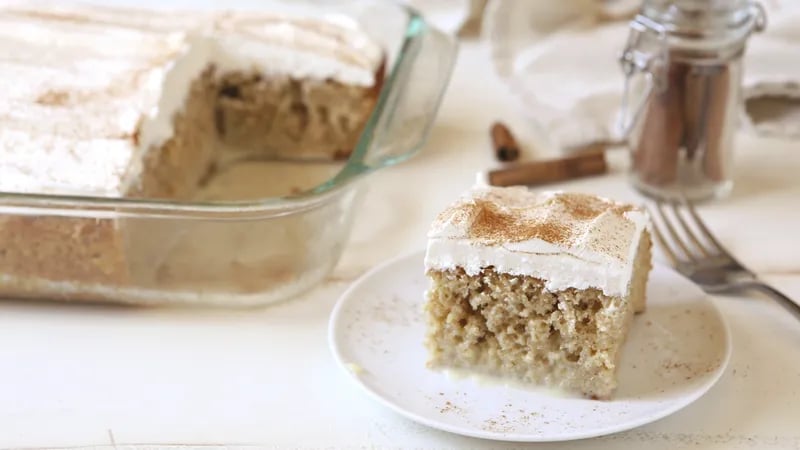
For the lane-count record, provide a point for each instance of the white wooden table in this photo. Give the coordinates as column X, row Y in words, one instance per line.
column 77, row 376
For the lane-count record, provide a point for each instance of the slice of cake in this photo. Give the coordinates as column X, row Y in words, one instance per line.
column 537, row 287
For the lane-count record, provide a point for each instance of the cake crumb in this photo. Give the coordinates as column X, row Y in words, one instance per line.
column 450, row 407
column 354, row 368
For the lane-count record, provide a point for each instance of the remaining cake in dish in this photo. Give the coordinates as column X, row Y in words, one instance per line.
column 538, row 287
column 115, row 102
column 112, row 102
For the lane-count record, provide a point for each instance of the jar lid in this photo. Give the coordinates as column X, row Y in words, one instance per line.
column 705, row 17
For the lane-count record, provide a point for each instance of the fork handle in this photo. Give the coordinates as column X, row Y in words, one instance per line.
column 777, row 295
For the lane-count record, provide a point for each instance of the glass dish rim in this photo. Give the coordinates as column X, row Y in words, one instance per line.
column 351, row 171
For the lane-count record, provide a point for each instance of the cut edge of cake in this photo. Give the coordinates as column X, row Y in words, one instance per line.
column 246, row 88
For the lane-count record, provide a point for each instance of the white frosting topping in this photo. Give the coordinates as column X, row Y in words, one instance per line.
column 568, row 240
column 85, row 80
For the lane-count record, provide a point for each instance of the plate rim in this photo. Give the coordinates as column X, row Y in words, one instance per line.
column 333, row 328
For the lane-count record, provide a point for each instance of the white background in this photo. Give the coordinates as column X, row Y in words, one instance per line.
column 77, row 375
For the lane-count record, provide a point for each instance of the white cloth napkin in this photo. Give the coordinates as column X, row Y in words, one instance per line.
column 574, row 81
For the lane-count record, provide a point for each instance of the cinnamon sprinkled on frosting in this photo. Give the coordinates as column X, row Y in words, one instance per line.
column 570, row 239
column 493, row 224
column 588, row 207
column 500, row 215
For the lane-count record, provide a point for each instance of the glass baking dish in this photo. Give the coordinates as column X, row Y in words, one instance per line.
column 253, row 248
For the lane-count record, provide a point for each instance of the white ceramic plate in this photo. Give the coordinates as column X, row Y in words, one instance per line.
column 675, row 352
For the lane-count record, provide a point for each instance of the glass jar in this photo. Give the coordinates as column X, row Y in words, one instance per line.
column 682, row 100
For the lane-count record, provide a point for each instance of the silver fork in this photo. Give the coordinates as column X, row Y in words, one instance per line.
column 706, row 263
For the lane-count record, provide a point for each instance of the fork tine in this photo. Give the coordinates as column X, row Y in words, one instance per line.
column 675, row 236
column 704, row 229
column 662, row 242
column 688, row 231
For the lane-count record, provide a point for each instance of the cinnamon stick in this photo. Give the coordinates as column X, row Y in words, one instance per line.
column 657, row 150
column 505, row 146
column 550, row 171
column 717, row 135
column 695, row 105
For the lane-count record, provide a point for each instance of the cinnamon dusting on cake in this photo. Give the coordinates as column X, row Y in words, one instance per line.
column 53, row 98
column 508, row 215
column 495, row 225
column 582, row 207
column 588, row 207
